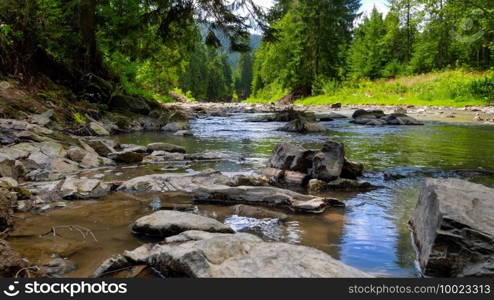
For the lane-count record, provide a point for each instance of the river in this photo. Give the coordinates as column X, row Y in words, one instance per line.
column 371, row 233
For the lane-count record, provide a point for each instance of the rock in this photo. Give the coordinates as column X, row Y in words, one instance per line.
column 378, row 118
column 167, row 156
column 341, row 184
column 56, row 169
column 165, row 147
column 6, row 213
column 76, row 154
column 42, row 119
column 98, row 129
column 168, row 223
column 327, row 165
column 128, row 103
column 84, row 188
column 176, row 126
column 95, row 89
column 388, row 176
column 127, row 157
column 184, row 133
column 335, row 105
column 8, row 167
column 302, row 126
column 257, row 212
column 240, row 256
column 216, row 188
column 291, row 157
column 114, row 263
column 102, row 147
column 368, row 114
column 453, row 229
column 10, row 261
column 352, row 170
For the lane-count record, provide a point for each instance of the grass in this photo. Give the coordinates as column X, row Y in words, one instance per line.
column 450, row 88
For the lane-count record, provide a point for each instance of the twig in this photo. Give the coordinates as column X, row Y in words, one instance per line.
column 83, row 231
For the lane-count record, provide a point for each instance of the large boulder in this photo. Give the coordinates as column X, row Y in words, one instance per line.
column 327, row 164
column 291, row 157
column 83, row 188
column 453, row 229
column 127, row 156
column 102, row 147
column 167, row 223
column 303, row 126
column 206, row 255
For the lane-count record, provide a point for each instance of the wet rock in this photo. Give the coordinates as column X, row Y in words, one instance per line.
column 206, row 156
column 269, row 196
column 291, row 157
column 216, row 188
column 352, row 170
column 42, row 119
column 341, row 184
column 168, row 223
column 98, row 129
column 328, row 164
column 127, row 157
column 128, row 103
column 166, row 156
column 240, row 256
column 389, row 176
column 257, row 212
column 55, row 169
column 165, row 147
column 453, row 229
column 378, row 118
column 84, row 188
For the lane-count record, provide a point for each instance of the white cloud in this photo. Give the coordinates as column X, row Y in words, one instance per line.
column 368, row 6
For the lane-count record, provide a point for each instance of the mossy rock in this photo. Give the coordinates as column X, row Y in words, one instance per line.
column 178, row 116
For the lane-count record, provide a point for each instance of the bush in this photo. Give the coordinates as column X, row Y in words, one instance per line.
column 483, row 88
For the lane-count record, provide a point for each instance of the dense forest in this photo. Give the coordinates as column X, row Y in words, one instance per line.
column 207, row 50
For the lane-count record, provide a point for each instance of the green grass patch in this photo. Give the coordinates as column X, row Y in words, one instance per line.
column 451, row 88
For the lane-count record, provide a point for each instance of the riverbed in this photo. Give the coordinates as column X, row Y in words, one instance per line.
column 370, row 234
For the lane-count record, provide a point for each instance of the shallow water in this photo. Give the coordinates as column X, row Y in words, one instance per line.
column 371, row 233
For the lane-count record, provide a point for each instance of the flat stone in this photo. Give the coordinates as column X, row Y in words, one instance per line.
column 165, row 147
column 168, row 223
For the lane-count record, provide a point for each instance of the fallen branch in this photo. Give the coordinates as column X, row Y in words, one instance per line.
column 83, row 231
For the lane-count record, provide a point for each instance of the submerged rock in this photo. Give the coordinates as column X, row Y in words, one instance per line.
column 206, row 255
column 453, row 229
column 167, row 223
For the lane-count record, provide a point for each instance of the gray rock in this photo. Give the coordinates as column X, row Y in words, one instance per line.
column 164, row 223
column 217, row 188
column 340, row 184
column 165, row 147
column 453, row 229
column 240, row 256
column 102, row 147
column 84, row 188
column 257, row 212
column 291, row 157
column 127, row 157
column 302, row 126
column 114, row 263
column 184, row 133
column 8, row 167
column 327, row 164
column 42, row 119
column 352, row 169
column 98, row 129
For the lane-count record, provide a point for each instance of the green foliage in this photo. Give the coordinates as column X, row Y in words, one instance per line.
column 483, row 88
column 79, row 119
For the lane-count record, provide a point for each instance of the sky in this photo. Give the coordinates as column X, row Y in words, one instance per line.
column 367, row 5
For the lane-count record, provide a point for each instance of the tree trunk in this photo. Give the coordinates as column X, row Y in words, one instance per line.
column 87, row 25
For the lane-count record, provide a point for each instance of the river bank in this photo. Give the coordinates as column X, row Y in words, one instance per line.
column 60, row 218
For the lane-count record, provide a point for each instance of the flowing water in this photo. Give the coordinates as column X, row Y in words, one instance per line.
column 371, row 233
